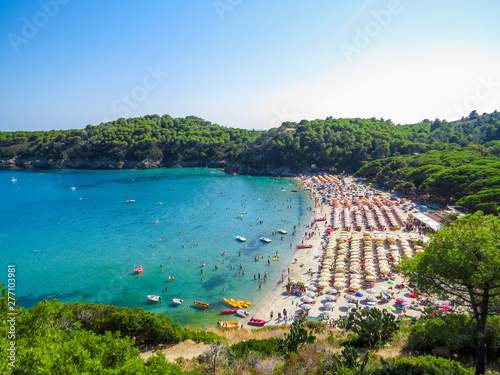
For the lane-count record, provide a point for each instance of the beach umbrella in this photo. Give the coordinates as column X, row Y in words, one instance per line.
column 305, row 306
column 311, row 294
column 339, row 285
column 329, row 305
column 370, row 278
column 308, row 299
column 371, row 291
column 352, row 305
column 329, row 314
column 350, row 297
column 402, row 299
column 312, row 288
column 371, row 299
column 332, row 291
column 300, row 282
column 358, row 294
column 322, row 284
column 355, row 287
column 330, row 298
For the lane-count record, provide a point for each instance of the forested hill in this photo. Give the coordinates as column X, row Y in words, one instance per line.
column 450, row 160
column 330, row 144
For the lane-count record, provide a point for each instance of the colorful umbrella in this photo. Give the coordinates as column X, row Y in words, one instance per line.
column 358, row 294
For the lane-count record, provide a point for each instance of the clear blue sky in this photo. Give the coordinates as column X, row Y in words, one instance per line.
column 242, row 63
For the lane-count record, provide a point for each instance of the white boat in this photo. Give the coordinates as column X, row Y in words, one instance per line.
column 242, row 239
column 265, row 239
column 242, row 313
column 282, row 231
column 153, row 298
column 177, row 301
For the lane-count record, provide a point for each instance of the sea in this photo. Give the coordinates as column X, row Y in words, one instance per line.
column 78, row 235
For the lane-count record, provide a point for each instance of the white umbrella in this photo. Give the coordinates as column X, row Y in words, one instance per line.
column 350, row 297
column 308, row 299
column 339, row 284
column 311, row 294
column 355, row 287
column 330, row 298
column 305, row 306
column 312, row 288
column 322, row 284
column 371, row 299
column 332, row 291
column 329, row 313
column 352, row 305
column 402, row 299
column 371, row 291
column 329, row 305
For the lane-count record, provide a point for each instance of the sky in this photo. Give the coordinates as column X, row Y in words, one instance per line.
column 246, row 64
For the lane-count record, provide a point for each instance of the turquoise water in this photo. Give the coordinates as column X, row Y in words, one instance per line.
column 84, row 243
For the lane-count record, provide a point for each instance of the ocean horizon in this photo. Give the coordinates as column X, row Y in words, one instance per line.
column 73, row 236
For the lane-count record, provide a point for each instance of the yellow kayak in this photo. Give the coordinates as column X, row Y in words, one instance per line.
column 227, row 324
column 239, row 304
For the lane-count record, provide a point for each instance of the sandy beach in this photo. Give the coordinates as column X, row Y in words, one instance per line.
column 296, row 268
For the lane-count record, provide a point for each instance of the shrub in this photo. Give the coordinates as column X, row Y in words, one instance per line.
column 374, row 327
column 427, row 365
column 242, row 349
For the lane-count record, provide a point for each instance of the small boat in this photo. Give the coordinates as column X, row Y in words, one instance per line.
column 139, row 269
column 13, row 179
column 226, row 324
column 282, row 231
column 304, row 246
column 242, row 313
column 201, row 304
column 228, row 311
column 153, row 298
column 238, row 304
column 265, row 239
column 177, row 301
column 322, row 219
column 131, row 201
column 295, row 190
column 241, row 239
column 256, row 322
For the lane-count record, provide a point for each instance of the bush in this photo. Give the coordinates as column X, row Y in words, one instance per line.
column 242, row 349
column 428, row 365
column 456, row 332
column 374, row 327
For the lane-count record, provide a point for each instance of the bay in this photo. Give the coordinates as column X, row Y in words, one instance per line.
column 73, row 236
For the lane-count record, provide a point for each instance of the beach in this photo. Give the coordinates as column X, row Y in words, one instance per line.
column 305, row 266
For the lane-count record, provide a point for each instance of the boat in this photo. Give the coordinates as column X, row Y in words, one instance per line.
column 238, row 304
column 241, row 239
column 304, row 246
column 227, row 324
column 177, row 301
column 131, row 201
column 228, row 311
column 282, row 231
column 265, row 239
column 322, row 219
column 139, row 269
column 153, row 298
column 256, row 322
column 294, row 190
column 201, row 304
column 242, row 313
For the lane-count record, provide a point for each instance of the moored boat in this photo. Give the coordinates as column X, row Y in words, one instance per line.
column 282, row 231
column 304, row 246
column 256, row 322
column 131, row 201
column 238, row 304
column 242, row 313
column 294, row 190
column 228, row 324
column 241, row 239
column 201, row 304
column 228, row 311
column 177, row 301
column 265, row 239
column 154, row 298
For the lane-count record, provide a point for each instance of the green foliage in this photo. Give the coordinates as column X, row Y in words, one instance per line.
column 298, row 336
column 242, row 349
column 373, row 327
column 428, row 365
column 456, row 332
